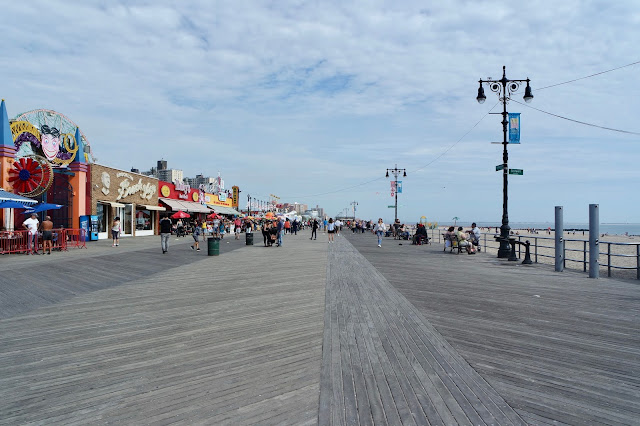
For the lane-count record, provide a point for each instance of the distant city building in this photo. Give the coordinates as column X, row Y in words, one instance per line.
column 200, row 180
column 134, row 170
column 170, row 175
column 301, row 208
column 162, row 165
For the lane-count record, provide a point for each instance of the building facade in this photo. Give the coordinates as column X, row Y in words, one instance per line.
column 131, row 197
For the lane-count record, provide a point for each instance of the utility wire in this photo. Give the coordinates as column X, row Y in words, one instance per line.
column 456, row 143
column 576, row 121
column 589, row 76
column 416, row 170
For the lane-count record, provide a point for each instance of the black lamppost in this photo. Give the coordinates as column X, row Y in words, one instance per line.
column 249, row 205
column 504, row 88
column 396, row 172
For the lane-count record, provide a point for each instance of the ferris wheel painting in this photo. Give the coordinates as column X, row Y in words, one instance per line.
column 48, row 134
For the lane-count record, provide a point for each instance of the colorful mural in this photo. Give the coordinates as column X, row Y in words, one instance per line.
column 48, row 134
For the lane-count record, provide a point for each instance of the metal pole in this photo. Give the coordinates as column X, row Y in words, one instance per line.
column 594, row 242
column 504, row 251
column 249, row 206
column 396, row 215
column 559, row 241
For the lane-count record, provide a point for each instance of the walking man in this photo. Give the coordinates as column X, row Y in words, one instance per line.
column 280, row 231
column 165, row 233
column 314, row 230
column 196, row 237
column 47, row 235
column 31, row 224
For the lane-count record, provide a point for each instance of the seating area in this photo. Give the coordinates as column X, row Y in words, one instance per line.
column 12, row 242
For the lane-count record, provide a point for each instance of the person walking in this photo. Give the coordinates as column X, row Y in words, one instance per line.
column 380, row 229
column 238, row 226
column 196, row 237
column 295, row 226
column 47, row 235
column 314, row 230
column 280, row 232
column 115, row 231
column 31, row 225
column 165, row 233
column 331, row 229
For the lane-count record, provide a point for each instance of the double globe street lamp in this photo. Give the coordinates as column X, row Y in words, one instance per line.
column 504, row 88
column 396, row 172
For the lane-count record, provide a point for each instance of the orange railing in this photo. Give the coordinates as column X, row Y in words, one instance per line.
column 22, row 242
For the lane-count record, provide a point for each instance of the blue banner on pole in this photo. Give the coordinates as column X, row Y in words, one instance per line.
column 514, row 127
column 399, row 187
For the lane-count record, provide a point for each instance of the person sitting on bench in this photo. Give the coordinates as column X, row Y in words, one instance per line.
column 421, row 235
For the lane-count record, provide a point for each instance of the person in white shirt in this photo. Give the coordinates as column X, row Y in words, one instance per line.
column 475, row 235
column 380, row 229
column 31, row 225
column 338, row 226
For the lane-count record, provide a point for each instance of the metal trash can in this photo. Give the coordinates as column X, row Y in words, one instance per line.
column 249, row 238
column 213, row 246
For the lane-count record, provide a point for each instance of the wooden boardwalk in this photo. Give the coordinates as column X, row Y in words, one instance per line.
column 558, row 347
column 402, row 335
column 384, row 364
column 234, row 339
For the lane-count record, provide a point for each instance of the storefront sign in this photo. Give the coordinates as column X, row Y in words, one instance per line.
column 127, row 188
column 236, row 193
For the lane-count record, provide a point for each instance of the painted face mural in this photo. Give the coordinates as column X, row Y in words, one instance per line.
column 50, row 142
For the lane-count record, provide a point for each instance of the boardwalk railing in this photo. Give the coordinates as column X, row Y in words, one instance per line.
column 577, row 251
column 21, row 242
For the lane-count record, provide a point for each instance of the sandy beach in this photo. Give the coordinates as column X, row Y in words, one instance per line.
column 623, row 249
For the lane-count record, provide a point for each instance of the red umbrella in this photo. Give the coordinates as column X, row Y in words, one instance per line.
column 180, row 215
column 213, row 216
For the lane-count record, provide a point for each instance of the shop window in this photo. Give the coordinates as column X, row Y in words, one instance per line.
column 128, row 219
column 144, row 220
column 101, row 211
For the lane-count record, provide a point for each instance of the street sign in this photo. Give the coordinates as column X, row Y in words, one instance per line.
column 516, row 172
column 391, row 207
column 499, row 167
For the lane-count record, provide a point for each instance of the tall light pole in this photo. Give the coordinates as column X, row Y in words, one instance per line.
column 354, row 204
column 249, row 205
column 504, row 88
column 396, row 172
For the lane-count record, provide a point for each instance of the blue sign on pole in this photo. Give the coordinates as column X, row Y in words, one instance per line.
column 514, row 127
column 399, row 187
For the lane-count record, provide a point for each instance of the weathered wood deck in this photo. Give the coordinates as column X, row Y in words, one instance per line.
column 402, row 335
column 384, row 364
column 558, row 347
column 234, row 339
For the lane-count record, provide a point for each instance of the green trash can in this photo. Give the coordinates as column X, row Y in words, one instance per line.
column 249, row 238
column 213, row 246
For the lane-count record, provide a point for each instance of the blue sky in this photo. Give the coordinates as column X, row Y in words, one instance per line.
column 305, row 99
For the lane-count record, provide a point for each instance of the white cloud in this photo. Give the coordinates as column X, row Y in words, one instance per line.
column 333, row 93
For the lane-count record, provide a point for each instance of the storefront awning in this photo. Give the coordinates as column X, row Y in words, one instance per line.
column 150, row 207
column 186, row 206
column 192, row 207
column 223, row 209
column 112, row 203
column 174, row 205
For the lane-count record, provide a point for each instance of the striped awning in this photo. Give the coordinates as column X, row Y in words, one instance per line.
column 185, row 206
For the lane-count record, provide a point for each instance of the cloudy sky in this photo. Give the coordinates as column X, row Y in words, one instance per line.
column 314, row 100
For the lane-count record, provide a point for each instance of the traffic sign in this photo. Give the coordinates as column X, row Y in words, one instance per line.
column 391, row 207
column 516, row 172
column 499, row 167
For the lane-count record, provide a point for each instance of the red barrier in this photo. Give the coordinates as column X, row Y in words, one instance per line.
column 76, row 238
column 21, row 241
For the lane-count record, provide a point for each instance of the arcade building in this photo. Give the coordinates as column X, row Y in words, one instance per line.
column 45, row 157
